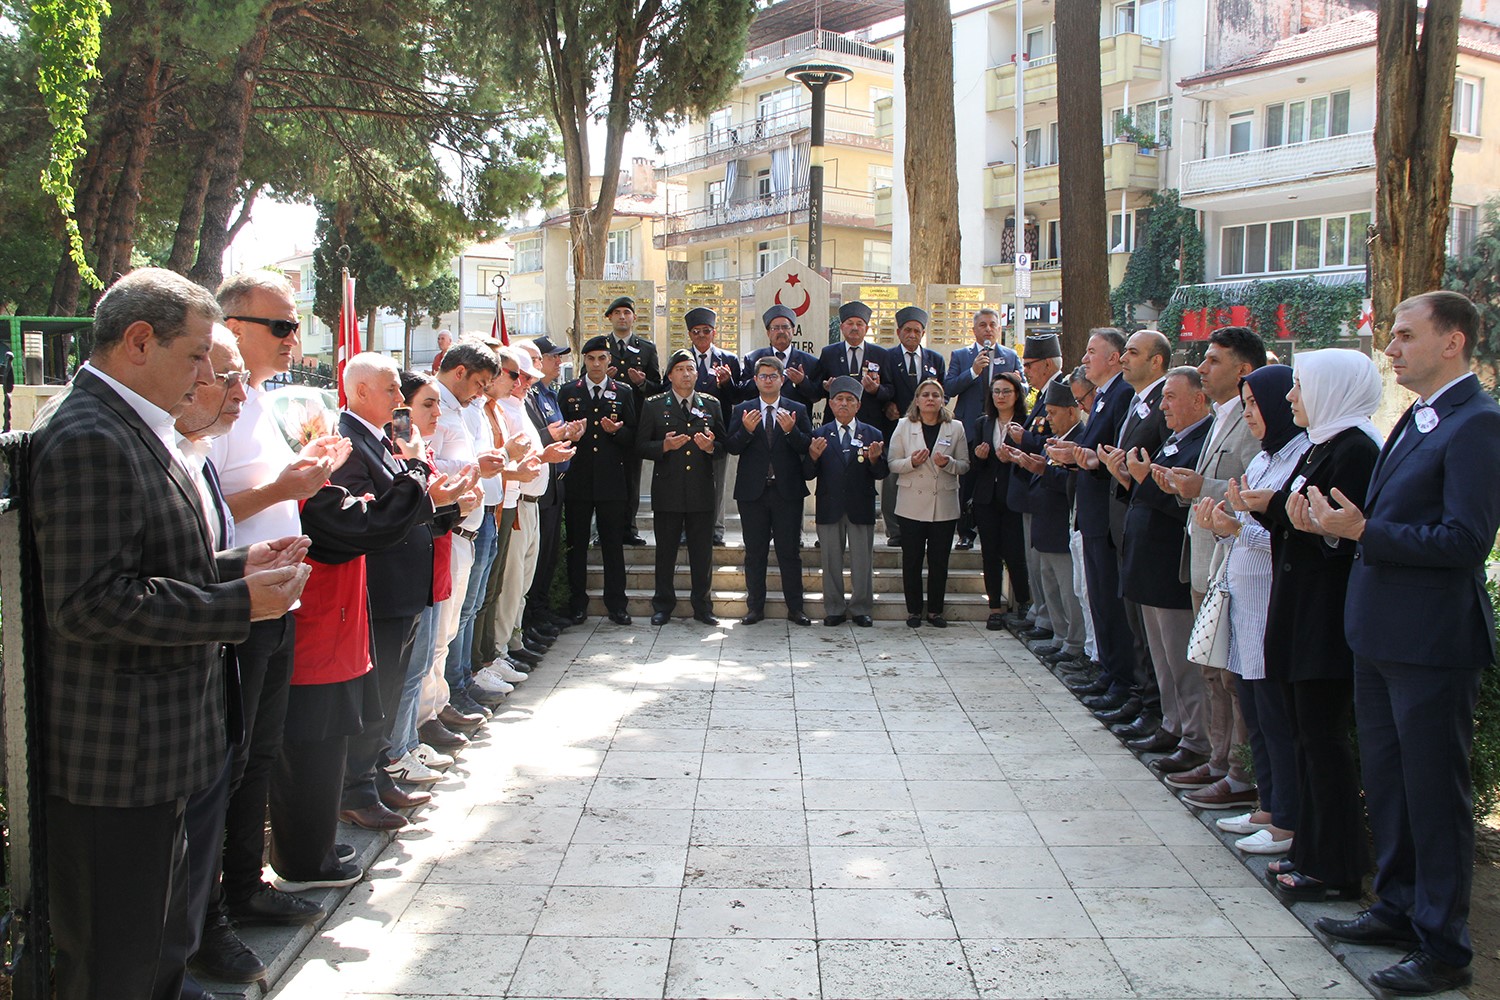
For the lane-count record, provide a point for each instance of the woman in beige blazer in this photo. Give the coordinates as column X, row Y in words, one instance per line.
column 928, row 452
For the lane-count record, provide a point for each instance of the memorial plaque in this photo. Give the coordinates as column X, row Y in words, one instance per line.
column 597, row 295
column 953, row 307
column 884, row 300
column 802, row 290
column 723, row 297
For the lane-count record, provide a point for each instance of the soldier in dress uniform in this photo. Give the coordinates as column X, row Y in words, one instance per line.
column 632, row 360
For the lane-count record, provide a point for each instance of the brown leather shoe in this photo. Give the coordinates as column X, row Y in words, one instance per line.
column 440, row 737
column 376, row 817
column 396, row 797
column 1178, row 760
column 459, row 722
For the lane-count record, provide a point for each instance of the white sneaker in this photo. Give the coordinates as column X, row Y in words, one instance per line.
column 506, row 672
column 1240, row 824
column 431, row 757
column 489, row 684
column 411, row 770
column 1262, row 842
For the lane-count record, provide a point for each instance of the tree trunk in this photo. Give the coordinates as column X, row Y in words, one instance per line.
column 1413, row 152
column 227, row 154
column 116, row 242
column 1080, row 115
column 185, row 241
column 931, row 160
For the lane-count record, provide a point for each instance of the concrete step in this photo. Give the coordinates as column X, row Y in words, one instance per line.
column 732, row 553
column 887, row 578
column 730, row 604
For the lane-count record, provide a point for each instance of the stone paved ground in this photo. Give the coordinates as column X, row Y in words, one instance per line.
column 785, row 812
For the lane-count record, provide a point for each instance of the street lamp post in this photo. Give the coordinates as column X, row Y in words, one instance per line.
column 817, row 77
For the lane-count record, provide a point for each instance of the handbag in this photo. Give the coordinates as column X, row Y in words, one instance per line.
column 1208, row 644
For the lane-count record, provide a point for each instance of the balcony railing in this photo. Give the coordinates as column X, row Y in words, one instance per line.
column 840, row 208
column 825, row 41
column 1340, row 154
column 1125, row 58
column 842, row 126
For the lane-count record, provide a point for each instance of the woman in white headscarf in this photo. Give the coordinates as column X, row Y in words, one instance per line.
column 1334, row 394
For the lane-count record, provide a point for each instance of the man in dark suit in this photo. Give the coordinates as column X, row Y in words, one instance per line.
column 770, row 435
column 682, row 433
column 970, row 371
column 719, row 377
column 138, row 608
column 800, row 382
column 866, row 362
column 632, row 361
column 545, row 411
column 1420, row 624
column 846, row 457
column 910, row 363
column 1112, row 401
column 595, row 476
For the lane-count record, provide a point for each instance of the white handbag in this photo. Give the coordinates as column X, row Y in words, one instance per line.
column 1209, row 642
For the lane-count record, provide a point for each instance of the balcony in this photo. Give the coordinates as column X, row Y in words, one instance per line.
column 1122, row 59
column 883, row 206
column 775, row 57
column 752, row 215
column 757, row 136
column 885, row 117
column 1338, row 161
column 1046, row 275
column 1126, row 168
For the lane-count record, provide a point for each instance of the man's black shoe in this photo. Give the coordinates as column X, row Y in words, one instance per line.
column 619, row 618
column 1366, row 928
column 536, row 640
column 1160, row 741
column 634, row 538
column 751, row 617
column 223, row 956
column 1035, row 634
column 1042, row 652
column 1124, row 713
column 1138, row 728
column 718, row 538
column 1084, row 685
column 524, row 655
column 1419, row 974
column 706, row 619
column 579, row 617
column 833, row 620
column 546, row 628
column 964, row 544
column 863, row 621
column 1106, row 701
column 798, row 618
column 269, row 905
column 1062, row 656
column 661, row 618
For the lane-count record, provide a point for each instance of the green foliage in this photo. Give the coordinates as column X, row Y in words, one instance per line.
column 1316, row 314
column 1484, row 763
column 1152, row 274
column 65, row 35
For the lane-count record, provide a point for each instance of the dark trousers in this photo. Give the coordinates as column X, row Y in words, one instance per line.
column 767, row 517
column 934, row 539
column 304, row 806
column 364, row 774
column 612, row 516
column 1330, row 842
column 203, row 822
column 1112, row 636
column 265, row 660
column 1002, row 542
column 1272, row 749
column 1416, row 731
column 539, row 597
column 632, row 490
column 965, row 495
column 118, row 896
column 1144, row 685
column 670, row 525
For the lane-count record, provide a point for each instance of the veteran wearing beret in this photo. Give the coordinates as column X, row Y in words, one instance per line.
column 633, row 361
column 800, row 379
column 867, row 363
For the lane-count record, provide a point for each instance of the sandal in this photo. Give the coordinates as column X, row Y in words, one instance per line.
column 1298, row 887
column 1281, row 866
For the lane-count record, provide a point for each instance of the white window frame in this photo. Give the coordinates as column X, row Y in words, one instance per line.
column 528, row 257
column 1047, row 39
column 1463, row 229
column 1262, row 235
column 1237, row 119
column 1300, row 121
column 617, row 246
column 531, row 318
column 1468, row 96
column 1123, row 20
column 771, row 254
column 877, row 258
column 1125, row 242
column 778, row 101
column 716, row 264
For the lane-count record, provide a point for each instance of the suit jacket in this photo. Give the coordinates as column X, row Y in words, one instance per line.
column 1136, row 431
column 846, row 485
column 138, row 607
column 681, row 480
column 600, row 456
column 928, row 493
column 1153, row 531
column 1093, row 485
column 807, row 393
column 540, row 419
column 1309, row 577
column 399, row 575
column 992, row 477
column 929, row 365
column 637, row 352
column 1052, row 504
column 834, row 361
column 730, row 392
column 965, row 390
column 761, row 454
column 1431, row 514
column 1225, row 456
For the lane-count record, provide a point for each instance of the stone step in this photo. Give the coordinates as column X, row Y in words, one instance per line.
column 732, row 577
column 732, row 553
column 730, row 604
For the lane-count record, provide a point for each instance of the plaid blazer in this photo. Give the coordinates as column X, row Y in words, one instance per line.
column 137, row 615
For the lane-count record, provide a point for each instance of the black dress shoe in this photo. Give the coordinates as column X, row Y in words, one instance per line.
column 579, row 617
column 533, row 647
column 913, row 621
column 545, row 629
column 1138, row 728
column 718, row 538
column 833, row 620
column 535, row 638
column 1124, row 713
column 1042, row 652
column 661, row 618
column 634, row 538
column 440, row 737
column 863, row 621
column 376, row 817
column 1179, row 760
column 524, row 655
column 964, row 544
column 1105, row 701
column 1419, row 974
column 751, row 617
column 937, row 621
column 798, row 618
column 995, row 622
column 396, row 797
column 223, row 956
column 1366, row 928
column 1160, row 741
column 269, row 905
column 1085, row 685
column 707, row 619
column 1035, row 634
column 1060, row 657
column 619, row 618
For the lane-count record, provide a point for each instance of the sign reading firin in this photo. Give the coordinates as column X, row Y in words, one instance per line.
column 723, row 297
column 802, row 290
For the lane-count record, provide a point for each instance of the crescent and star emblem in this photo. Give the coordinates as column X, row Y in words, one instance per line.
column 806, row 298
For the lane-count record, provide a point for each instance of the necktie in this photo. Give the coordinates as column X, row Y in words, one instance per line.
column 703, row 366
column 844, row 435
column 770, row 419
column 782, row 358
column 598, row 393
column 911, row 363
column 854, row 361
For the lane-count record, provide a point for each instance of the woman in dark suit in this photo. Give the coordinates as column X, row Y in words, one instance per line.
column 1334, row 393
column 1001, row 537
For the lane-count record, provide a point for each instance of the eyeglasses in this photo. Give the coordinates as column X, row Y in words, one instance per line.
column 231, row 379
column 1004, row 391
column 780, row 328
column 767, row 376
column 280, row 328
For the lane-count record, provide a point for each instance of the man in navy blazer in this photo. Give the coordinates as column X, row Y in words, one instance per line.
column 870, row 365
column 800, row 381
column 846, row 457
column 1420, row 624
column 719, row 377
column 770, row 435
column 970, row 371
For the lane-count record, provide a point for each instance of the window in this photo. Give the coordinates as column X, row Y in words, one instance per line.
column 1034, row 147
column 1125, row 18
column 718, row 125
column 1240, row 124
column 877, row 257
column 1121, row 232
column 713, row 195
column 882, row 175
column 716, row 264
column 1466, row 94
column 1157, row 18
column 763, row 183
column 1336, row 241
column 530, row 318
column 776, row 102
column 769, row 254
column 617, row 247
column 1308, row 119
column 1039, row 42
column 528, row 255
column 1461, row 229
column 1054, row 239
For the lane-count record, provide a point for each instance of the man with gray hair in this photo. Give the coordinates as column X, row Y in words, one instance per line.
column 970, row 371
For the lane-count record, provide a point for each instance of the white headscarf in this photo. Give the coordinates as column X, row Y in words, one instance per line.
column 1340, row 389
